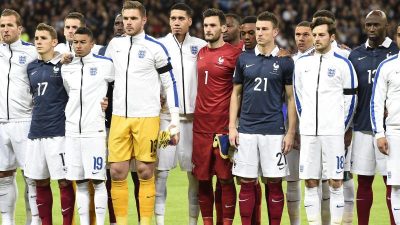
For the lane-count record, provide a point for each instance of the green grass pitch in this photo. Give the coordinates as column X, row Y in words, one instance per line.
column 177, row 210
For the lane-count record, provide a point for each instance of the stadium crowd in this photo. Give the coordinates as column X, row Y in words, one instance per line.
column 99, row 14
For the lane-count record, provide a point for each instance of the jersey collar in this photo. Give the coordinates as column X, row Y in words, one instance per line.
column 386, row 43
column 273, row 53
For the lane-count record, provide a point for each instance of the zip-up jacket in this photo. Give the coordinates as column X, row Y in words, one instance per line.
column 325, row 91
column 86, row 81
column 386, row 93
column 15, row 96
column 141, row 65
column 184, row 64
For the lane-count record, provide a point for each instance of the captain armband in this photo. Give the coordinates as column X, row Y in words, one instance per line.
column 164, row 69
column 350, row 91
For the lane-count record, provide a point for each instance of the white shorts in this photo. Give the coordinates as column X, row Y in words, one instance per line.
column 46, row 159
column 393, row 160
column 322, row 157
column 366, row 157
column 13, row 144
column 259, row 155
column 182, row 153
column 86, row 158
column 293, row 158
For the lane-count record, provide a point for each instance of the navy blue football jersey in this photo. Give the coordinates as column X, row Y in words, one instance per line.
column 49, row 99
column 263, row 79
column 366, row 61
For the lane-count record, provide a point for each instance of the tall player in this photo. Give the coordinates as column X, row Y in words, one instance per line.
column 366, row 157
column 15, row 112
column 141, row 65
column 215, row 67
column 260, row 81
column 385, row 96
column 46, row 134
column 304, row 43
column 325, row 101
column 183, row 49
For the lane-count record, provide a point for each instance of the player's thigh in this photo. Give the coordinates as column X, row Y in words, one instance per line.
column 166, row 155
column 94, row 157
column 56, row 157
column 393, row 160
column 185, row 146
column 246, row 161
column 363, row 154
column 73, row 158
column 202, row 157
column 310, row 157
column 380, row 160
column 273, row 161
column 36, row 164
column 293, row 158
column 8, row 159
column 19, row 140
column 120, row 141
column 145, row 134
column 333, row 158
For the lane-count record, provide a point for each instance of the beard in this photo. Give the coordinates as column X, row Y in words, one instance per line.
column 213, row 39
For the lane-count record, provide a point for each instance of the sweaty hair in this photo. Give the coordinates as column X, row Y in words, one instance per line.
column 304, row 24
column 134, row 5
column 50, row 29
column 324, row 13
column 322, row 21
column 85, row 31
column 77, row 16
column 268, row 16
column 11, row 12
column 183, row 7
column 215, row 12
column 234, row 16
column 249, row 19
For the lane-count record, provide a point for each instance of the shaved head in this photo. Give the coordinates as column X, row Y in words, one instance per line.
column 376, row 25
column 378, row 13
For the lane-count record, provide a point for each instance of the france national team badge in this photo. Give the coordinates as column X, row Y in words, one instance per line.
column 220, row 60
column 331, row 72
column 141, row 54
column 22, row 59
column 194, row 49
column 276, row 67
column 93, row 71
column 56, row 71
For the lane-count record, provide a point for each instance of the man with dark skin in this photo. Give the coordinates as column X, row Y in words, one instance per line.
column 248, row 32
column 232, row 33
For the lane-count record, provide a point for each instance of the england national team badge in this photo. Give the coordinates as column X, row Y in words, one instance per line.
column 220, row 60
column 93, row 71
column 141, row 54
column 331, row 72
column 194, row 49
column 22, row 59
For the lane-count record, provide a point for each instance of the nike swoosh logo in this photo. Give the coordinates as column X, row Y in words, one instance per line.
column 273, row 200
column 4, row 194
column 396, row 209
column 95, row 173
column 39, row 205
column 306, row 206
column 247, row 66
column 306, row 71
column 243, row 200
column 361, row 58
column 64, row 210
column 337, row 172
column 34, row 72
column 339, row 206
column 281, row 168
column 229, row 206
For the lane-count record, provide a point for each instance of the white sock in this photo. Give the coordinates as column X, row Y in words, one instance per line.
column 395, row 196
column 32, row 202
column 337, row 205
column 325, row 202
column 312, row 204
column 100, row 202
column 8, row 197
column 28, row 213
column 348, row 192
column 293, row 199
column 83, row 202
column 193, row 190
column 161, row 195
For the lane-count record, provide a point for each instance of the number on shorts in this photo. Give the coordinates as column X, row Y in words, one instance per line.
column 153, row 146
column 339, row 162
column 62, row 158
column 280, row 161
column 97, row 163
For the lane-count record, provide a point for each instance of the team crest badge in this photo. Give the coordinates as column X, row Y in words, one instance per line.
column 220, row 60
column 22, row 59
column 331, row 72
column 56, row 71
column 276, row 67
column 194, row 49
column 93, row 71
column 141, row 54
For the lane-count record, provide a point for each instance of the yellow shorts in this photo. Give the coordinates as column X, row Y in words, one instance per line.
column 133, row 138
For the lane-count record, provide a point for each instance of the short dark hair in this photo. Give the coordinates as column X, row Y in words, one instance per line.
column 324, row 13
column 235, row 17
column 134, row 5
column 11, row 12
column 249, row 19
column 215, row 12
column 269, row 16
column 304, row 24
column 322, row 21
column 50, row 29
column 183, row 7
column 77, row 16
column 85, row 31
